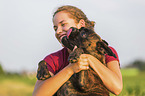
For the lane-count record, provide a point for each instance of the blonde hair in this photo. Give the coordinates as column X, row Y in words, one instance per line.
column 77, row 14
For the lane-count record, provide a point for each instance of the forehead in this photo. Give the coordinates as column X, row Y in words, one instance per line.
column 60, row 16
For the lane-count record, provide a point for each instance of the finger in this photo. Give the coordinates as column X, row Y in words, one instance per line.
column 83, row 56
column 84, row 67
column 83, row 63
column 83, row 60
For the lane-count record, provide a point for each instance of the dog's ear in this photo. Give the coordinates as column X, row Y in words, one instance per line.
column 103, row 45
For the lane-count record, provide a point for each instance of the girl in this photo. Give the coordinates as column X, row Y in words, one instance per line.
column 55, row 70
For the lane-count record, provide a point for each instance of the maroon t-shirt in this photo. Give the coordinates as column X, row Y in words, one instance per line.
column 58, row 60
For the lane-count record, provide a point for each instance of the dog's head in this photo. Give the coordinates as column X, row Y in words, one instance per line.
column 88, row 40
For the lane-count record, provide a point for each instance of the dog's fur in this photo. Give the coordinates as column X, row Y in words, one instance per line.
column 85, row 83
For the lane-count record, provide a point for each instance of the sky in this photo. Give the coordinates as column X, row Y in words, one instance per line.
column 27, row 35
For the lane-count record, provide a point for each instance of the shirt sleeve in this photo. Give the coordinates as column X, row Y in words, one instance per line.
column 111, row 58
column 50, row 64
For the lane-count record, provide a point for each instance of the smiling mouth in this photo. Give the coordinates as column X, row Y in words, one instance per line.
column 61, row 36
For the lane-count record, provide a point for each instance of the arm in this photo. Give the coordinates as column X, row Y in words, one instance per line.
column 49, row 86
column 110, row 75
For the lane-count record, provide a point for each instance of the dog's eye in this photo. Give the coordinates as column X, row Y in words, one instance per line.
column 84, row 35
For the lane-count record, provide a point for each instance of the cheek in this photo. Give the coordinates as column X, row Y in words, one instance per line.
column 56, row 35
column 66, row 28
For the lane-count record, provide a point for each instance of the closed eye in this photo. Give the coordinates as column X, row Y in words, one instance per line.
column 55, row 28
column 63, row 24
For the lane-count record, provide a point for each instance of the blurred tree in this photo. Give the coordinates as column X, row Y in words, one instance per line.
column 1, row 70
column 140, row 64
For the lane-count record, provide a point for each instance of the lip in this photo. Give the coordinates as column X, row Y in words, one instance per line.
column 62, row 35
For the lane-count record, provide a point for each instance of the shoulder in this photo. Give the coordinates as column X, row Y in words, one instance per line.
column 114, row 51
column 111, row 58
column 56, row 54
column 55, row 60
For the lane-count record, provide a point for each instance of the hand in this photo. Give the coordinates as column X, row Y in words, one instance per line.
column 82, row 64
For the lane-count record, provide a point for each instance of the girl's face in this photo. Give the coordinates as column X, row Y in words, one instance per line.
column 62, row 22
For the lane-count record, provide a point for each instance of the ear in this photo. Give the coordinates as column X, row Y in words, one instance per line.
column 81, row 23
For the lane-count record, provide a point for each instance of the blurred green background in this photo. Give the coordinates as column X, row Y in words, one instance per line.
column 22, row 84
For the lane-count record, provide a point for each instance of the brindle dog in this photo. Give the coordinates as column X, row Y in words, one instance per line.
column 84, row 83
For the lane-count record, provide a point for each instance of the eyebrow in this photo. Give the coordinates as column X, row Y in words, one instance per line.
column 59, row 22
column 62, row 21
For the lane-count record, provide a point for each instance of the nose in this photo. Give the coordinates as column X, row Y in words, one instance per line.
column 59, row 30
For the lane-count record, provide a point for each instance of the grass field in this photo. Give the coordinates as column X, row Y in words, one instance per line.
column 16, row 85
column 133, row 82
